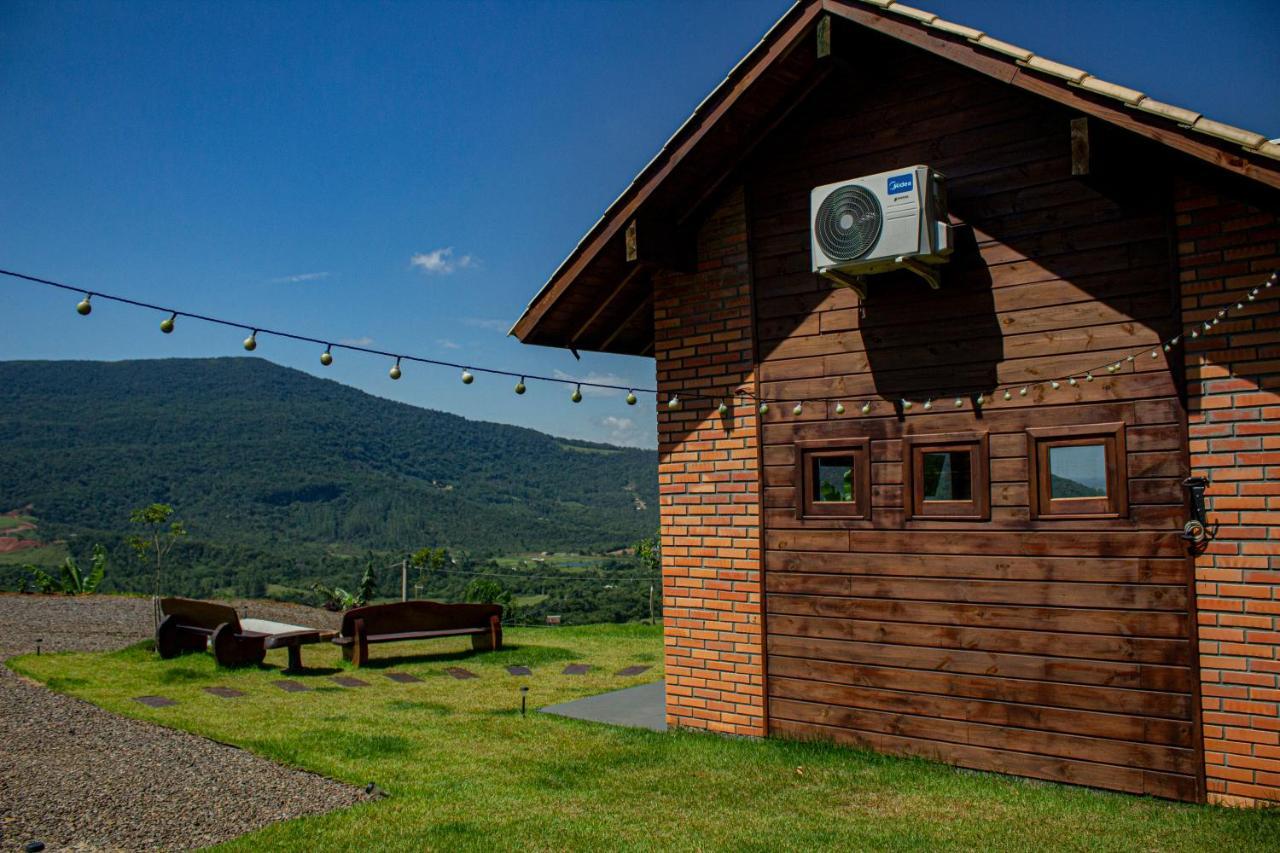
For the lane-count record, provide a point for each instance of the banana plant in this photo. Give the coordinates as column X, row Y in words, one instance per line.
column 71, row 580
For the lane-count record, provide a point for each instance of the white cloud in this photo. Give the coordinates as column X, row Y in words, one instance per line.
column 356, row 342
column 596, row 378
column 486, row 323
column 445, row 343
column 441, row 261
column 623, row 431
column 306, row 276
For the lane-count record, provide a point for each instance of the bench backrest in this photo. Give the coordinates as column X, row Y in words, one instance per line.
column 200, row 614
column 402, row 616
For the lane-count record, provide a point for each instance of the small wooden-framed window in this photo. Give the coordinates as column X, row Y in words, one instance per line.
column 946, row 476
column 1077, row 471
column 834, row 478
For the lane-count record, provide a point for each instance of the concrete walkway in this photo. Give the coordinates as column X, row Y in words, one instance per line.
column 643, row 707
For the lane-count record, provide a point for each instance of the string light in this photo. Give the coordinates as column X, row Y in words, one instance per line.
column 764, row 408
column 84, row 307
column 798, row 410
column 576, row 396
column 723, row 408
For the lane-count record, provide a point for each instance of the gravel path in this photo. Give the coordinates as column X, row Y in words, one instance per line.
column 77, row 777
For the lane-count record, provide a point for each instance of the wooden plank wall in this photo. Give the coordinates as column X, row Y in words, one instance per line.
column 1055, row 649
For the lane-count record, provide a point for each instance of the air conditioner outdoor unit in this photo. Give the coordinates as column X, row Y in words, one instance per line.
column 893, row 220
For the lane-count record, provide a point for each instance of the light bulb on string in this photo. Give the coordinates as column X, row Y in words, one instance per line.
column 631, row 398
column 1155, row 353
column 764, row 408
column 928, row 404
column 1008, row 395
column 467, row 378
column 673, row 403
column 1072, row 382
column 1239, row 306
column 1023, row 391
column 326, row 357
column 980, row 401
column 839, row 408
column 83, row 307
column 1088, row 377
column 959, row 403
column 1195, row 333
column 723, row 409
column 1055, row 384
column 251, row 342
column 576, row 396
column 1118, row 365
column 394, row 372
column 866, row 408
column 798, row 410
column 906, row 405
column 166, row 325
column 520, row 389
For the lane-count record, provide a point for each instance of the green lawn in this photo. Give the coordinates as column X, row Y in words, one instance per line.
column 465, row 771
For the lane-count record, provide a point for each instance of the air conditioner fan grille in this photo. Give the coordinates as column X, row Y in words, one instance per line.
column 848, row 223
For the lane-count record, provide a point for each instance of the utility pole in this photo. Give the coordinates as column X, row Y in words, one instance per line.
column 404, row 579
column 651, row 622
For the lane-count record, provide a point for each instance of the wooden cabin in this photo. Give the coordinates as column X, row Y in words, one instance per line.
column 952, row 522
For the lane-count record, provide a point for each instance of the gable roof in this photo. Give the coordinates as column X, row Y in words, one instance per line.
column 598, row 299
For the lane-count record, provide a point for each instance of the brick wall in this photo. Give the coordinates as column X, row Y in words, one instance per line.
column 1233, row 377
column 708, row 483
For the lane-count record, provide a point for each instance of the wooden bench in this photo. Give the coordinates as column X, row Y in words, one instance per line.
column 417, row 620
column 190, row 625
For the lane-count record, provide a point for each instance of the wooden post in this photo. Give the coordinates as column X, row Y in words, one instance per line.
column 1080, row 146
column 651, row 622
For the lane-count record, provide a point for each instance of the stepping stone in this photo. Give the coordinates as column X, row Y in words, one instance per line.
column 155, row 701
column 291, row 686
column 634, row 670
column 519, row 670
column 576, row 669
column 224, row 692
column 348, row 681
column 403, row 677
column 460, row 673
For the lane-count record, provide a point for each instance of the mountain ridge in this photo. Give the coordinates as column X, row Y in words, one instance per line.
column 251, row 452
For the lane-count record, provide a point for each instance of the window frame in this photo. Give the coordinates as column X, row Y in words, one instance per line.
column 859, row 509
column 916, row 508
column 1045, row 507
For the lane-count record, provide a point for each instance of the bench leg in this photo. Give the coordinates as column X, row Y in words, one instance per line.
column 295, row 658
column 361, row 646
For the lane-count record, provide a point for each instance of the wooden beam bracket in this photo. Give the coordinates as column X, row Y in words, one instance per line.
column 653, row 242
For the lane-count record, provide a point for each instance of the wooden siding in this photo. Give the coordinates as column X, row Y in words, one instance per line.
column 1059, row 649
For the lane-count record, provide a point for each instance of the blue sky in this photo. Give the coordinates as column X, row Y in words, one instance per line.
column 411, row 173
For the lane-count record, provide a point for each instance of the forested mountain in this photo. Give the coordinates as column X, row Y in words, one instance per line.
column 259, row 456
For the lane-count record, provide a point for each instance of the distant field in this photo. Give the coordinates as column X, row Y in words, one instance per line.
column 7, row 522
column 48, row 555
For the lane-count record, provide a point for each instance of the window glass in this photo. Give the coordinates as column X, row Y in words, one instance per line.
column 947, row 476
column 833, row 479
column 1078, row 471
